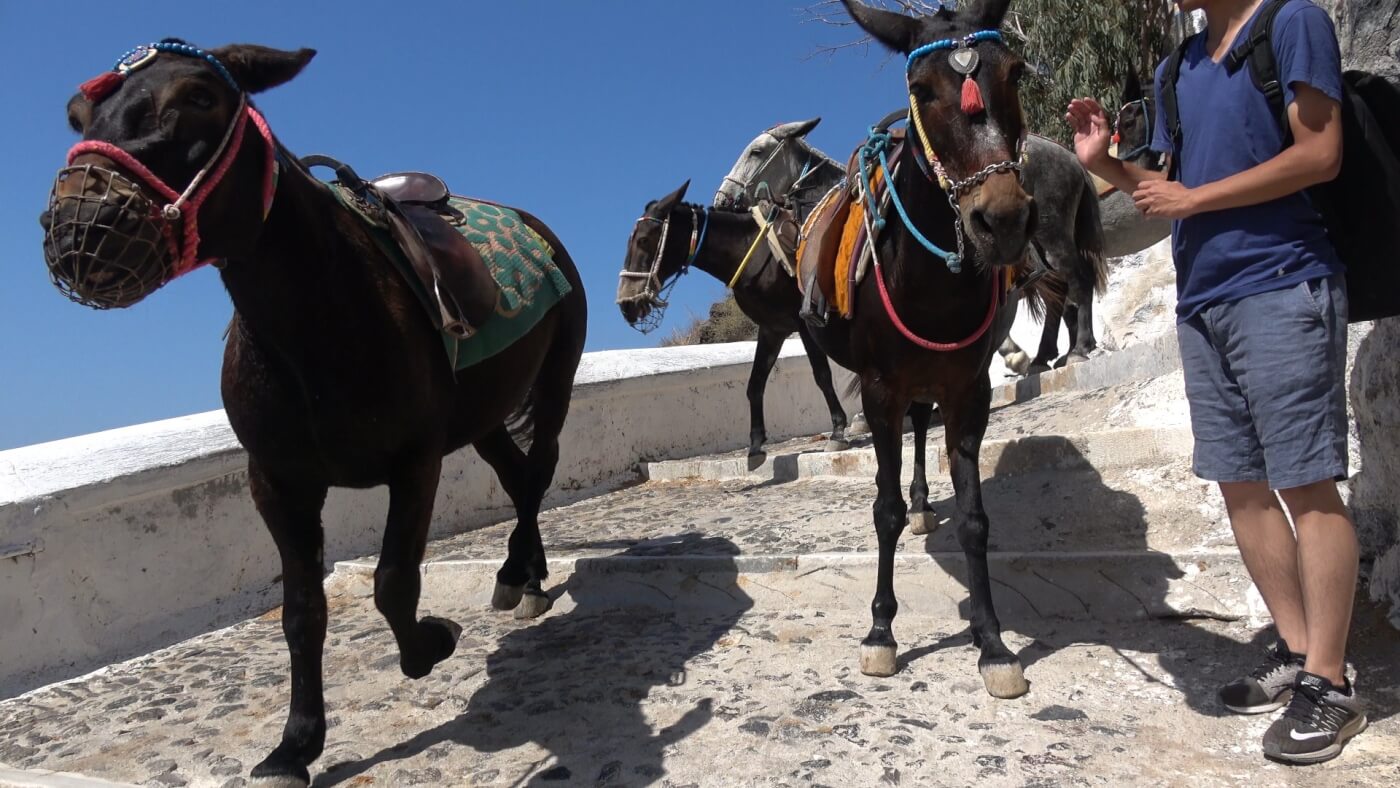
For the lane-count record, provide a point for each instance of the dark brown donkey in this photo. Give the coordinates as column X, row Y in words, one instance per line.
column 925, row 325
column 765, row 292
column 332, row 375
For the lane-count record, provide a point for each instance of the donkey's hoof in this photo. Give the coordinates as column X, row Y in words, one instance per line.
column 922, row 523
column 859, row 426
column 878, row 660
column 281, row 781
column 506, row 597
column 1018, row 362
column 441, row 636
column 274, row 772
column 756, row 458
column 533, row 605
column 837, row 444
column 1037, row 368
column 1004, row 679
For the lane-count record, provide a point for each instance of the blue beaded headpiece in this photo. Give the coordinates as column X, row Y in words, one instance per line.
column 952, row 43
column 140, row 56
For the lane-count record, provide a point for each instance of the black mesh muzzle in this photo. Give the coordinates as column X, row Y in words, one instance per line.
column 105, row 244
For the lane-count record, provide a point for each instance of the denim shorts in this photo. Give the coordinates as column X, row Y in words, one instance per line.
column 1265, row 381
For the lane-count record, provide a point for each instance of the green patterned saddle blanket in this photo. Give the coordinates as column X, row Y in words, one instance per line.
column 519, row 259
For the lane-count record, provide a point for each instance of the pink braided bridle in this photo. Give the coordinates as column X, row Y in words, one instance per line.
column 185, row 206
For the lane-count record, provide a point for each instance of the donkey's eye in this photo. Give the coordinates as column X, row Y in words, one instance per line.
column 921, row 93
column 755, row 153
column 200, row 98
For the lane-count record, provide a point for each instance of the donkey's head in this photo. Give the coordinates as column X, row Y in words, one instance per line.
column 769, row 167
column 966, row 114
column 169, row 139
column 662, row 244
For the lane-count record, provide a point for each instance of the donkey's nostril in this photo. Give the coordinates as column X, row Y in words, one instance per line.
column 979, row 221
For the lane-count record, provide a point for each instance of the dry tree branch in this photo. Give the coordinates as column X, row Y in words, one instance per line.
column 831, row 12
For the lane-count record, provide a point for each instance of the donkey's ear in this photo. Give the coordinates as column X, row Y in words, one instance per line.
column 894, row 30
column 796, row 129
column 674, row 198
column 987, row 14
column 1132, row 88
column 257, row 68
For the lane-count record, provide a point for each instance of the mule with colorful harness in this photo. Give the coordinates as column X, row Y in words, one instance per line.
column 935, row 302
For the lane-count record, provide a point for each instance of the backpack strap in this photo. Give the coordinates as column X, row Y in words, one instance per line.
column 1258, row 52
column 1169, row 103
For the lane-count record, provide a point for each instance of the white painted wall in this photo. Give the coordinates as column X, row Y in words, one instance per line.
column 116, row 543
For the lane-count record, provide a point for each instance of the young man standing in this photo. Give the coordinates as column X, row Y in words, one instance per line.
column 1261, row 320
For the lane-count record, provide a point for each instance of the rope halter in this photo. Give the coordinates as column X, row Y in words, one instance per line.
column 655, row 292
column 963, row 58
column 180, row 207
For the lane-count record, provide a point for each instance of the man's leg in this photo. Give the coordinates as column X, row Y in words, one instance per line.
column 1327, row 568
column 1271, row 555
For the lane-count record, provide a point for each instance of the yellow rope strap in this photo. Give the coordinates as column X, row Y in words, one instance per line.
column 923, row 139
column 762, row 232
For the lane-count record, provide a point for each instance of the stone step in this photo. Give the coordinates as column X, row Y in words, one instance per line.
column 1161, row 509
column 1112, row 449
column 1103, row 586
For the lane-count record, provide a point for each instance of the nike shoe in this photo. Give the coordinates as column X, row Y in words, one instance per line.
column 1317, row 724
column 1268, row 686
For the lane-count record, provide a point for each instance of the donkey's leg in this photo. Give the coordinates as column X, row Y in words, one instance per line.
column 500, row 451
column 1080, row 322
column 965, row 423
column 397, row 582
column 886, row 414
column 293, row 516
column 921, row 517
column 1049, row 349
column 821, row 372
column 764, row 357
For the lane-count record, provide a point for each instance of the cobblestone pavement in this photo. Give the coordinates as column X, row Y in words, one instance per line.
column 688, row 647
column 724, row 695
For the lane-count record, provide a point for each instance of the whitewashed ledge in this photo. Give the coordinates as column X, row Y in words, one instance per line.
column 119, row 542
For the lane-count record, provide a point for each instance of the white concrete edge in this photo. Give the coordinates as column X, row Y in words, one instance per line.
column 43, row 778
column 32, row 472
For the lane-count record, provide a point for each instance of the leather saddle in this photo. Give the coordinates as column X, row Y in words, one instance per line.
column 460, row 291
column 818, row 257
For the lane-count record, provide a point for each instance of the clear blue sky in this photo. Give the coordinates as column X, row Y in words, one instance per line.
column 580, row 112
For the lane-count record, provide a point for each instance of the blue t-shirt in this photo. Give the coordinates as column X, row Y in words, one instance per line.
column 1227, row 128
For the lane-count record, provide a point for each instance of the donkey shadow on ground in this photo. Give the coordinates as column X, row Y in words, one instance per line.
column 1133, row 606
column 573, row 683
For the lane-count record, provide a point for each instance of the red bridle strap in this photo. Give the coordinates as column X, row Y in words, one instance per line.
column 186, row 206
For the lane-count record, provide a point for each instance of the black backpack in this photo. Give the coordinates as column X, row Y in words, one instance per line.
column 1361, row 208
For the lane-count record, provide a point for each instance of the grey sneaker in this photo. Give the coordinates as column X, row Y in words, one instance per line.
column 1268, row 686
column 1319, row 721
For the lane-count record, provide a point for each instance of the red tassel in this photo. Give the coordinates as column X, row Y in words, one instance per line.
column 972, row 98
column 101, row 86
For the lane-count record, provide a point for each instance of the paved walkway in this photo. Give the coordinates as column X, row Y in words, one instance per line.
column 705, row 633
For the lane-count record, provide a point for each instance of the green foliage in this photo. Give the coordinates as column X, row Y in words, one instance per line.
column 726, row 323
column 1084, row 48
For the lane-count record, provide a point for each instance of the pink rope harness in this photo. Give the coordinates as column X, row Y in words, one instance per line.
column 940, row 347
column 186, row 206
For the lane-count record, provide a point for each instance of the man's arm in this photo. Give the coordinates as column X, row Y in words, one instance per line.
column 1091, row 138
column 1314, row 157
